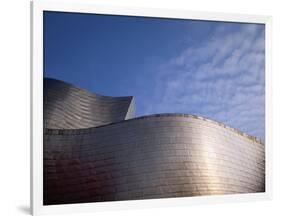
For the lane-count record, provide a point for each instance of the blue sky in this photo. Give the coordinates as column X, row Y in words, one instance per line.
column 213, row 69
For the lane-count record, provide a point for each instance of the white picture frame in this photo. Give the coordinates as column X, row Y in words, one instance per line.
column 37, row 8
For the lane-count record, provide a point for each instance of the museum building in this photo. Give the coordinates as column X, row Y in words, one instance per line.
column 96, row 150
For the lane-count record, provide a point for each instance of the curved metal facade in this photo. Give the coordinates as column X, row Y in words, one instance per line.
column 167, row 155
column 69, row 107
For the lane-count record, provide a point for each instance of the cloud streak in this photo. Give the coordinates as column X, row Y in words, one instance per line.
column 221, row 77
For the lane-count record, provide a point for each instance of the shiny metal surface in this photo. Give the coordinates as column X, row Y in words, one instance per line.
column 165, row 155
column 69, row 107
column 94, row 150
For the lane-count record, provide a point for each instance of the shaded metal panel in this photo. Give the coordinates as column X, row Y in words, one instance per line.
column 156, row 156
column 69, row 107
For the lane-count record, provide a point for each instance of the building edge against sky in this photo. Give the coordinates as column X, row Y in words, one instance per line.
column 164, row 155
column 69, row 107
column 168, row 65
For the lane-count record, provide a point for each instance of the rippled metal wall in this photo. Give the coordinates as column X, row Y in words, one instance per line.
column 69, row 107
column 150, row 157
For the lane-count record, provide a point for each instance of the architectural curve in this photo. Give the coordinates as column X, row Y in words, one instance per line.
column 158, row 156
column 69, row 107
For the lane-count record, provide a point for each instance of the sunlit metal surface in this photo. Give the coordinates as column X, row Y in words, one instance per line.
column 164, row 155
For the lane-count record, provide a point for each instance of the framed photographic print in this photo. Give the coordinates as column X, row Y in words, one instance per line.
column 135, row 107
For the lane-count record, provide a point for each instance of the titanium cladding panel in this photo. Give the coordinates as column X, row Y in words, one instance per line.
column 69, row 107
column 168, row 155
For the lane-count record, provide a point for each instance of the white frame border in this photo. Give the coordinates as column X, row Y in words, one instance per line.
column 36, row 160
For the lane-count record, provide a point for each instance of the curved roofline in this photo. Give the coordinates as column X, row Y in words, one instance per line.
column 87, row 91
column 88, row 130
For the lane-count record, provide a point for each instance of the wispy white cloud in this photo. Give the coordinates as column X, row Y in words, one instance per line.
column 222, row 78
